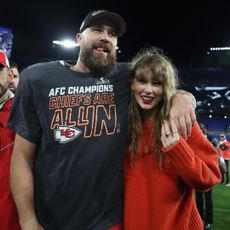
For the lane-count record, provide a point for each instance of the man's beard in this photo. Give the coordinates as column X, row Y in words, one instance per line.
column 97, row 63
column 2, row 90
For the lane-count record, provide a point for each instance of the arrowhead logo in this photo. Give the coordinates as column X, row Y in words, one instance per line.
column 64, row 134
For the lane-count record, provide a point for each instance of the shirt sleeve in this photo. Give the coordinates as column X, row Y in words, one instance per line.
column 195, row 160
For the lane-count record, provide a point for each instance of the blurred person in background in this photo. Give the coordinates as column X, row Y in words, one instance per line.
column 224, row 149
column 8, row 212
column 14, row 67
column 204, row 200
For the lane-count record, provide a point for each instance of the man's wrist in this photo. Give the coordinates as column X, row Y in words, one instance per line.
column 189, row 95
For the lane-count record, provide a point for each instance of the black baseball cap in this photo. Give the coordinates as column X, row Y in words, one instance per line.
column 104, row 16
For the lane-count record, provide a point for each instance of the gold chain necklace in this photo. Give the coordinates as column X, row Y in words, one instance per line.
column 146, row 148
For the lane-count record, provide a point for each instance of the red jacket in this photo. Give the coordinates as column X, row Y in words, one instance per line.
column 156, row 199
column 226, row 152
column 8, row 213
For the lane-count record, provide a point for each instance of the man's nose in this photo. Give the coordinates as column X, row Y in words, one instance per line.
column 105, row 35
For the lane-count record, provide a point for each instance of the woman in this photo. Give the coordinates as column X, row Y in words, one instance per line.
column 162, row 169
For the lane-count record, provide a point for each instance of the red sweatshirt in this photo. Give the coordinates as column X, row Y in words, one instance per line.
column 156, row 199
column 8, row 212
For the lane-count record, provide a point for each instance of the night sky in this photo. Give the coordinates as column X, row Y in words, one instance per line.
column 183, row 29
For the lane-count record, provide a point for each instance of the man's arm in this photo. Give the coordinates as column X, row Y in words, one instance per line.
column 183, row 112
column 22, row 182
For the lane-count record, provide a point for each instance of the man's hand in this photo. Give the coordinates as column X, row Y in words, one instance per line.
column 183, row 112
column 32, row 225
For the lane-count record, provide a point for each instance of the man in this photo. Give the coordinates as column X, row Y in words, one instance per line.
column 71, row 124
column 204, row 200
column 15, row 69
column 224, row 149
column 8, row 213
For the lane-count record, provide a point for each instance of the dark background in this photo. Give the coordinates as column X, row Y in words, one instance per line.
column 184, row 29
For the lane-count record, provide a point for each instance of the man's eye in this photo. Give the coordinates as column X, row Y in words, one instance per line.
column 113, row 34
column 97, row 29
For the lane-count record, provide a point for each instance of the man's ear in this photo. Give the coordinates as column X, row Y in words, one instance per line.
column 78, row 37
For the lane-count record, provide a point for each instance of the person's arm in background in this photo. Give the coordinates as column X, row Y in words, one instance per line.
column 183, row 112
column 227, row 143
column 22, row 182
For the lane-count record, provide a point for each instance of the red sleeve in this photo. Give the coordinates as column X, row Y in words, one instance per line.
column 227, row 143
column 195, row 160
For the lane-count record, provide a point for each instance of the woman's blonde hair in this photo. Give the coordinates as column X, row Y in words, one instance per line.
column 151, row 61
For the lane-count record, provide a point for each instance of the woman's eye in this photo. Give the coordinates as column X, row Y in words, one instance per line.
column 157, row 83
column 141, row 81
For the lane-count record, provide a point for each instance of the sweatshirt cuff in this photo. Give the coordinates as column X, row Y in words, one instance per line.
column 181, row 153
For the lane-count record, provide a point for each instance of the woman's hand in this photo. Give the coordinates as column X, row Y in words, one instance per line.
column 169, row 134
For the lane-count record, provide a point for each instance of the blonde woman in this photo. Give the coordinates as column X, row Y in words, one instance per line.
column 162, row 169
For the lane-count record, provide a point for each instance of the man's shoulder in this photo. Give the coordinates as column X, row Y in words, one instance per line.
column 123, row 65
column 39, row 70
column 42, row 65
column 120, row 68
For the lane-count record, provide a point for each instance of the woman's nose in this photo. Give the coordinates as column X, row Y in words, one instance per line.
column 148, row 87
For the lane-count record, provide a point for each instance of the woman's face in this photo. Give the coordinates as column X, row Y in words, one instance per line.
column 147, row 92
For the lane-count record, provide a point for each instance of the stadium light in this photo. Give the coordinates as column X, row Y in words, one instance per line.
column 219, row 48
column 72, row 44
column 66, row 43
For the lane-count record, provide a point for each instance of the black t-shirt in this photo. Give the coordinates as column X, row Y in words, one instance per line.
column 79, row 123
